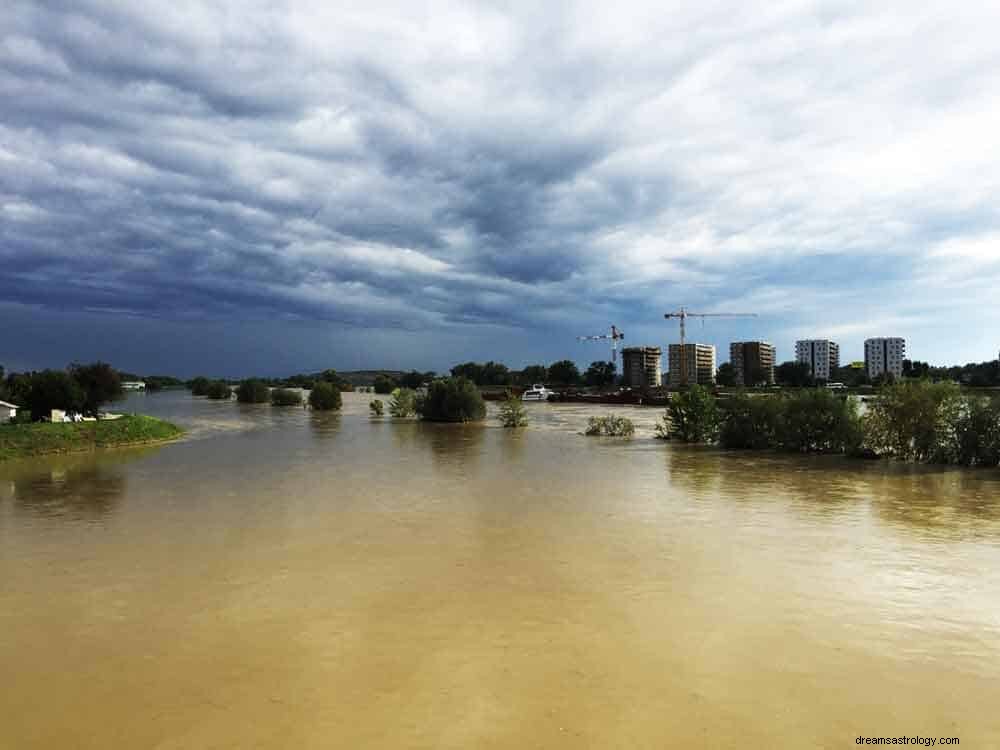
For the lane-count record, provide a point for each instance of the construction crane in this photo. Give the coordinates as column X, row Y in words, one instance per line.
column 682, row 315
column 615, row 336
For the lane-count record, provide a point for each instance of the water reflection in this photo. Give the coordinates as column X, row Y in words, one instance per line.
column 324, row 425
column 915, row 498
column 89, row 491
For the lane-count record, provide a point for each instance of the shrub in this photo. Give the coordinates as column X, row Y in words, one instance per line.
column 199, row 386
column 219, row 389
column 610, row 426
column 325, row 397
column 253, row 391
column 750, row 423
column 692, row 416
column 910, row 420
column 384, row 384
column 512, row 412
column 376, row 407
column 452, row 400
column 285, row 397
column 816, row 420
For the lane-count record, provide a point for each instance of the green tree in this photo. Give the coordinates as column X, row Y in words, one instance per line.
column 692, row 416
column 100, row 384
column 469, row 370
column 411, row 380
column 973, row 436
column 816, row 420
column 325, row 396
column 403, row 403
column 384, row 384
column 285, row 397
column 53, row 389
column 199, row 386
column 794, row 375
column 512, row 412
column 376, row 407
column 600, row 374
column 909, row 420
column 453, row 400
column 726, row 375
column 253, row 391
column 533, row 374
column 750, row 422
column 564, row 372
column 219, row 390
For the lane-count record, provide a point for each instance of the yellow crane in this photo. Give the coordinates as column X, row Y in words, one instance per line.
column 682, row 315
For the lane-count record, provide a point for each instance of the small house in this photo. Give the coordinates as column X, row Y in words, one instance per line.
column 7, row 411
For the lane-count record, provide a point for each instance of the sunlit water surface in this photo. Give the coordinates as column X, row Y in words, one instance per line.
column 283, row 579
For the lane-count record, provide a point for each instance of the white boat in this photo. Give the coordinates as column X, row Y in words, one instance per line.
column 537, row 392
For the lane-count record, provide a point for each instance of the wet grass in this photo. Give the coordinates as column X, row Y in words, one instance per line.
column 39, row 438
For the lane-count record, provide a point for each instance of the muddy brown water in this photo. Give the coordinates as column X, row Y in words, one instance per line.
column 281, row 579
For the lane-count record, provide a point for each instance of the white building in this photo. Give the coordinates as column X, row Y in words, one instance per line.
column 7, row 411
column 884, row 355
column 822, row 356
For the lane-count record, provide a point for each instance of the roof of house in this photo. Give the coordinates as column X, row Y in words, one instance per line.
column 12, row 406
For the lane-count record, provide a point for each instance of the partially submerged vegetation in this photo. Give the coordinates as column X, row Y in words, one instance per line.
column 285, row 397
column 325, row 397
column 219, row 390
column 914, row 420
column 253, row 391
column 610, row 426
column 402, row 404
column 452, row 400
column 376, row 407
column 39, row 438
column 512, row 413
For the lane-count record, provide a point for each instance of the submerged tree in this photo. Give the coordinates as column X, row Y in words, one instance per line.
column 325, row 396
column 402, row 404
column 452, row 400
column 512, row 412
column 692, row 416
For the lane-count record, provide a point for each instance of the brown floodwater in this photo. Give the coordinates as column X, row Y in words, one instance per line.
column 282, row 579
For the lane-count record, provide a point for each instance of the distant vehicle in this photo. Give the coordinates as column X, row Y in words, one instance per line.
column 537, row 392
column 836, row 386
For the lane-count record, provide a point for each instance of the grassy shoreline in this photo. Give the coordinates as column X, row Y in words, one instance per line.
column 41, row 438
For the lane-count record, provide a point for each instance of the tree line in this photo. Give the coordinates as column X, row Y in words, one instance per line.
column 79, row 389
column 912, row 420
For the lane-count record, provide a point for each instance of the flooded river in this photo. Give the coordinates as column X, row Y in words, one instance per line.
column 282, row 579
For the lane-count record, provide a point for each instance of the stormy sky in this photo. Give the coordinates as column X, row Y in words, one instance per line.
column 272, row 187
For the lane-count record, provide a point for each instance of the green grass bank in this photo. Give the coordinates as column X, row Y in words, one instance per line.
column 39, row 438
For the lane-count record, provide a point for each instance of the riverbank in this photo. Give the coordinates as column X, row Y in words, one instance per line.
column 40, row 438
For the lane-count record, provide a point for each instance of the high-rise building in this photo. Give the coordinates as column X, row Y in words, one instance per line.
column 641, row 366
column 884, row 356
column 753, row 362
column 822, row 356
column 692, row 364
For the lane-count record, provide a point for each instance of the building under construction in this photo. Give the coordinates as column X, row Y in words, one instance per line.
column 753, row 362
column 641, row 366
column 691, row 364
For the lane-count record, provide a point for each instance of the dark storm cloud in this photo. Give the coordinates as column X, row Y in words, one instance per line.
column 457, row 168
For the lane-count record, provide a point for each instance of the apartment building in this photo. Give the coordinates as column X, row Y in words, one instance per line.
column 691, row 364
column 753, row 362
column 822, row 356
column 641, row 366
column 884, row 356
